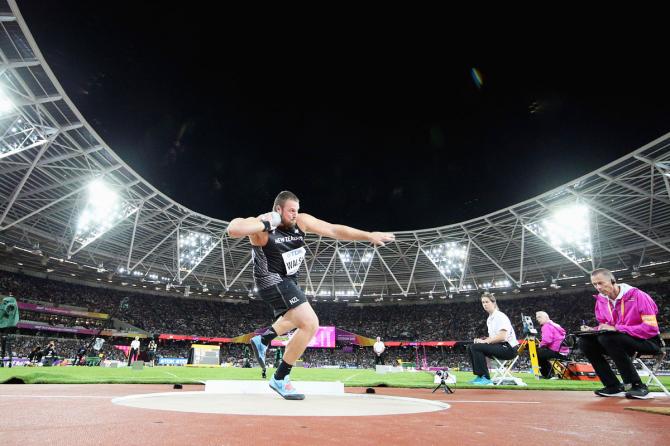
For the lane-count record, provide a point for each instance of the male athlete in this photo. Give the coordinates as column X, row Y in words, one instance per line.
column 278, row 249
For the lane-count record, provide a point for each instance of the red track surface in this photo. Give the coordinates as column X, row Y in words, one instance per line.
column 84, row 414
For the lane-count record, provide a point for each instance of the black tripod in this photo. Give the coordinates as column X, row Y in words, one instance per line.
column 443, row 374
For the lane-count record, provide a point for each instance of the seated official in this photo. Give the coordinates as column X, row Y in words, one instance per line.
column 550, row 346
column 501, row 342
column 627, row 316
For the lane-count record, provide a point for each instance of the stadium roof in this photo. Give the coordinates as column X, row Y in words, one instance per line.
column 617, row 216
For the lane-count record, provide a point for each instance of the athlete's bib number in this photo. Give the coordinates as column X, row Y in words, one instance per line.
column 293, row 260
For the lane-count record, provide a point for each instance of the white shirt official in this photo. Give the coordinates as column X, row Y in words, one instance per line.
column 499, row 321
column 379, row 347
column 135, row 344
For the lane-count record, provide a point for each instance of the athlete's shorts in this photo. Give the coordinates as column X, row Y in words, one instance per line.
column 283, row 296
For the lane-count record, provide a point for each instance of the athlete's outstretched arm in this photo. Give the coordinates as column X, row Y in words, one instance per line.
column 341, row 232
column 241, row 227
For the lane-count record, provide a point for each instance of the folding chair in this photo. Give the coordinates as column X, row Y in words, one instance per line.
column 651, row 372
column 502, row 372
column 559, row 366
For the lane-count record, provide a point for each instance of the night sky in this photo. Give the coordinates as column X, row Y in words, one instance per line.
column 378, row 130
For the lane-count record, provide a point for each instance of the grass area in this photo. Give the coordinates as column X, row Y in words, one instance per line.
column 190, row 375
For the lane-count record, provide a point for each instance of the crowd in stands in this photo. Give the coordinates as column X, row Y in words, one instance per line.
column 459, row 321
column 153, row 314
column 57, row 320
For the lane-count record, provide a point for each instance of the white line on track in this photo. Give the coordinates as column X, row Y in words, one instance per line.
column 58, row 396
column 493, row 402
column 115, row 396
column 351, row 377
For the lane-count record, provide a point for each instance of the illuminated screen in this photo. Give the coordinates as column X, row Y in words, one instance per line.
column 324, row 338
column 205, row 354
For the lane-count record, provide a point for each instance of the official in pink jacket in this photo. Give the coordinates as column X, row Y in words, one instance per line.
column 627, row 320
column 550, row 346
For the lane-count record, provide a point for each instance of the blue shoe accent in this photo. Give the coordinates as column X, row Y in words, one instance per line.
column 259, row 350
column 481, row 381
column 285, row 389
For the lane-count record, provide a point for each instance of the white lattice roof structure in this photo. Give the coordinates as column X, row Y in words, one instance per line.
column 617, row 216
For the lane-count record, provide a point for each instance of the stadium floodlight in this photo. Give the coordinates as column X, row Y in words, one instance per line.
column 465, row 287
column 355, row 256
column 568, row 231
column 345, row 256
column 504, row 283
column 103, row 209
column 192, row 249
column 357, row 263
column 500, row 283
column 367, row 256
column 17, row 135
column 449, row 258
column 6, row 104
column 636, row 272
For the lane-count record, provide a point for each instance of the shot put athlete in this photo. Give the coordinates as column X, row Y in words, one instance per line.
column 278, row 250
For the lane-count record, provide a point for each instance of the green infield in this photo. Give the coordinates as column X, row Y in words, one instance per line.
column 194, row 375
